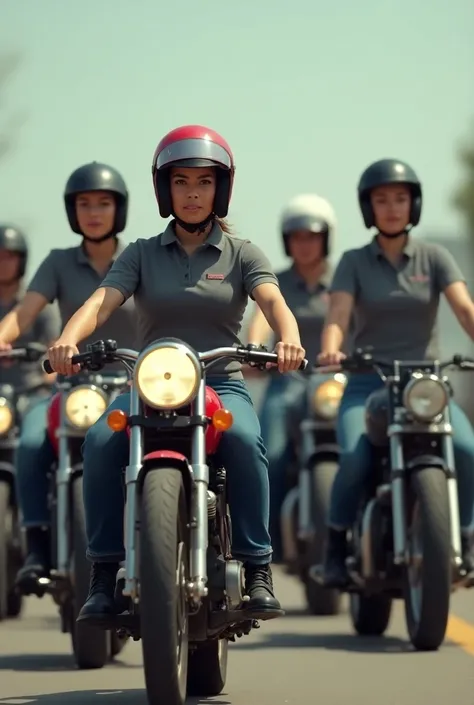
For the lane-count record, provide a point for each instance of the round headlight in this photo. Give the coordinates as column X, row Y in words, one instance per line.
column 84, row 406
column 6, row 416
column 425, row 397
column 167, row 377
column 327, row 398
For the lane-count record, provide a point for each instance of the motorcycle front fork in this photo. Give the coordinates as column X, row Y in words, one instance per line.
column 198, row 519
column 401, row 556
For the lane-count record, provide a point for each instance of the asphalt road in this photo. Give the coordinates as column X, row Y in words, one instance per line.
column 296, row 660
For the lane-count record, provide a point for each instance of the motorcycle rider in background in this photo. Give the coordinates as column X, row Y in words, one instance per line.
column 392, row 285
column 96, row 201
column 46, row 328
column 307, row 227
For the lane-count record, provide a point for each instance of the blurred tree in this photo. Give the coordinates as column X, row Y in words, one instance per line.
column 463, row 199
column 9, row 125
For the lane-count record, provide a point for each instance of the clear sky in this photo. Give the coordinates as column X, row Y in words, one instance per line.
column 306, row 92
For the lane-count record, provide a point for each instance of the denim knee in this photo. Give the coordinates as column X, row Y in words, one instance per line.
column 463, row 442
column 105, row 455
column 34, row 458
column 242, row 453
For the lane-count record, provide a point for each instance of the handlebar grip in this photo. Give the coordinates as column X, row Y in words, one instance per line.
column 47, row 367
column 304, row 364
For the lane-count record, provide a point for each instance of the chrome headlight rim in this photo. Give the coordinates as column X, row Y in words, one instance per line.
column 6, row 404
column 418, row 378
column 181, row 348
column 330, row 412
column 81, row 387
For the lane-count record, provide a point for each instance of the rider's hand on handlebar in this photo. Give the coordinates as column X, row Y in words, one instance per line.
column 60, row 356
column 330, row 358
column 290, row 356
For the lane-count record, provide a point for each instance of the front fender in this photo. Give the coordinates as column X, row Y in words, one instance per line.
column 426, row 461
column 324, row 451
column 165, row 459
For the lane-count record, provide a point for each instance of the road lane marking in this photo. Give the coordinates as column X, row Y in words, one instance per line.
column 461, row 633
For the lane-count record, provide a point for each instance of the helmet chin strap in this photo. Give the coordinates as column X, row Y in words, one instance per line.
column 195, row 227
column 103, row 238
column 394, row 236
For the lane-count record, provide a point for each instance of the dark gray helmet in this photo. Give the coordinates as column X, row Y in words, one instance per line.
column 382, row 173
column 12, row 239
column 96, row 177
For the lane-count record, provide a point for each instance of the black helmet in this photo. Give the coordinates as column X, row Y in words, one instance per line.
column 96, row 177
column 381, row 173
column 11, row 238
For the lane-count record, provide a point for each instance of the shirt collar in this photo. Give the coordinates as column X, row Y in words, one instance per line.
column 323, row 282
column 408, row 250
column 215, row 237
column 82, row 257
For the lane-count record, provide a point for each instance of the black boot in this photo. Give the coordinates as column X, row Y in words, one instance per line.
column 334, row 570
column 37, row 562
column 467, row 553
column 259, row 587
column 100, row 604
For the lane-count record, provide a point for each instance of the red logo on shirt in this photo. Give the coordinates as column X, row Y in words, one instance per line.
column 420, row 278
column 214, row 276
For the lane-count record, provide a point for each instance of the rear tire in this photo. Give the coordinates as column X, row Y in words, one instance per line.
column 207, row 668
column 90, row 644
column 321, row 601
column 163, row 576
column 428, row 583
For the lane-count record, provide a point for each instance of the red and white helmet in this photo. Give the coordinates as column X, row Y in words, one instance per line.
column 193, row 146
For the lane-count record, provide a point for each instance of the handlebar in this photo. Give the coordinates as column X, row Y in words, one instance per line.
column 104, row 352
column 362, row 361
column 27, row 353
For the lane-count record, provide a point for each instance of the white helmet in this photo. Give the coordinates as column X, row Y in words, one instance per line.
column 308, row 211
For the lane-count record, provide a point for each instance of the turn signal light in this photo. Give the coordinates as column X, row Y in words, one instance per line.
column 222, row 419
column 117, row 420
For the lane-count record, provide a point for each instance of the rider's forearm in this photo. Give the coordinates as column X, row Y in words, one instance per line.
column 332, row 338
column 15, row 323
column 282, row 321
column 259, row 329
column 93, row 314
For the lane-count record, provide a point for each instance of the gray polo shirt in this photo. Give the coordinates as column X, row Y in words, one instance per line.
column 309, row 307
column 396, row 308
column 44, row 330
column 67, row 276
column 199, row 298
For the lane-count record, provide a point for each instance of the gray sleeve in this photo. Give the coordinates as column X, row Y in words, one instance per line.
column 345, row 276
column 125, row 273
column 447, row 270
column 48, row 325
column 45, row 280
column 256, row 268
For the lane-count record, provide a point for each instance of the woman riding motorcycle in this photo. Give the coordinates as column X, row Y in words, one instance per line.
column 191, row 282
column 96, row 201
column 307, row 227
column 46, row 329
column 392, row 285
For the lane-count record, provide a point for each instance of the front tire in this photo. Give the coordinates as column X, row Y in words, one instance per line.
column 370, row 615
column 321, row 601
column 427, row 584
column 207, row 668
column 163, row 577
column 90, row 644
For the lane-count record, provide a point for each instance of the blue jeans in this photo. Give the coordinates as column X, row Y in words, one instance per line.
column 34, row 458
column 284, row 397
column 355, row 459
column 241, row 452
